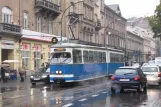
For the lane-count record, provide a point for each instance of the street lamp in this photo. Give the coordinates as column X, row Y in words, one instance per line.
column 63, row 15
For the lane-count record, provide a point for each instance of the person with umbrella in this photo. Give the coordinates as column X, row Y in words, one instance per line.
column 3, row 71
column 21, row 73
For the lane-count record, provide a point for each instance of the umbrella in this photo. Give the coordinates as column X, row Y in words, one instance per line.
column 5, row 65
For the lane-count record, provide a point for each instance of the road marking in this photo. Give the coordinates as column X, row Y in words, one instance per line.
column 17, row 96
column 104, row 92
column 68, row 105
column 95, row 95
column 84, row 99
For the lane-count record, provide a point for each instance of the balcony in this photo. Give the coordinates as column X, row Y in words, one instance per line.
column 47, row 8
column 10, row 29
column 98, row 25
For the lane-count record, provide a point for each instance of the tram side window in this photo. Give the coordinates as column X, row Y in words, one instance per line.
column 112, row 57
column 85, row 56
column 104, row 57
column 122, row 58
column 116, row 57
column 100, row 57
column 96, row 57
column 91, row 57
column 77, row 56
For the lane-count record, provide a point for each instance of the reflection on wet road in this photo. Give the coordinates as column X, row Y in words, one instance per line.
column 88, row 95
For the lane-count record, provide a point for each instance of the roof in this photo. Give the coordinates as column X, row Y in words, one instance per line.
column 129, row 67
column 74, row 45
column 115, row 7
column 32, row 35
column 113, row 11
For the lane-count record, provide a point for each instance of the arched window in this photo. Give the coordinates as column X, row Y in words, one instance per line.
column 6, row 15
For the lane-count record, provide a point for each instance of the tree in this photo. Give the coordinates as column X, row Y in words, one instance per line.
column 155, row 25
column 155, row 21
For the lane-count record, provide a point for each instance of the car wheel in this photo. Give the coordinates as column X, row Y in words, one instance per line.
column 112, row 90
column 145, row 88
column 33, row 84
column 140, row 89
column 122, row 90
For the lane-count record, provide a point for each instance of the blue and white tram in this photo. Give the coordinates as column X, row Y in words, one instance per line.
column 74, row 62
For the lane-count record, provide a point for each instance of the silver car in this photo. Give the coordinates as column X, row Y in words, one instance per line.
column 153, row 74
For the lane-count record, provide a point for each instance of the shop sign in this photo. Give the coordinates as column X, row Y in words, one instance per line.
column 6, row 44
column 26, row 46
column 37, row 47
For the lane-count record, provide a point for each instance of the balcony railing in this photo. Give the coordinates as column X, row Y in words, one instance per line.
column 48, row 5
column 10, row 29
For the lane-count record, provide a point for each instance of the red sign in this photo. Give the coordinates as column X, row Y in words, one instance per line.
column 26, row 46
column 37, row 47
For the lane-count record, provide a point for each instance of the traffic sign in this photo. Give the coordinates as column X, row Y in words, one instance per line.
column 54, row 40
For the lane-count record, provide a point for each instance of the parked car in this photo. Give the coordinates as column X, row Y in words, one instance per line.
column 153, row 74
column 42, row 75
column 129, row 78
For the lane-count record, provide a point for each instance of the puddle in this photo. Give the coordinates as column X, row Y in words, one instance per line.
column 10, row 89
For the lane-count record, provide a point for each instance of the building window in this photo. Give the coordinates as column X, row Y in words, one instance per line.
column 37, row 56
column 6, row 15
column 71, row 8
column 84, row 11
column 25, row 21
column 26, row 55
column 38, row 24
column 26, row 59
column 50, row 27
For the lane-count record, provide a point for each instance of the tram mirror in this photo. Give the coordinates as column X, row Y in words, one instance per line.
column 54, row 40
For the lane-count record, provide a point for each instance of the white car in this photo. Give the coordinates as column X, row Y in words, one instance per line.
column 153, row 74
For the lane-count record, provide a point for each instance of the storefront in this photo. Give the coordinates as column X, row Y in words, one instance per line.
column 32, row 51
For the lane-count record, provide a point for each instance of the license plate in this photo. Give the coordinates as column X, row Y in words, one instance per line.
column 124, row 80
column 36, row 78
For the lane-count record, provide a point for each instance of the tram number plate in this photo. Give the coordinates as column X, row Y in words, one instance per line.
column 124, row 80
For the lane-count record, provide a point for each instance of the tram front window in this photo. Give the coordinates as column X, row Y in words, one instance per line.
column 61, row 57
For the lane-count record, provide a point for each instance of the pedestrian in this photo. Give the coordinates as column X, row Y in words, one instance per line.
column 22, row 73
column 43, row 65
column 3, row 72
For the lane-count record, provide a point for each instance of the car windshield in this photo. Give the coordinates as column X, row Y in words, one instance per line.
column 42, row 70
column 48, row 70
column 149, row 69
column 61, row 57
column 126, row 72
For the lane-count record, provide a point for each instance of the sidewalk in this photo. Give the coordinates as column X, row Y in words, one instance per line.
column 15, row 83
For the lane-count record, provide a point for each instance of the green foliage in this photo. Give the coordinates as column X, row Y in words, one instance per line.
column 155, row 21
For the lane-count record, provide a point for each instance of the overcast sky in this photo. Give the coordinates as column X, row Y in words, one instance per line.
column 130, row 8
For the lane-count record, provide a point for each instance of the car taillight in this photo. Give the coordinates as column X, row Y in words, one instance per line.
column 137, row 78
column 112, row 78
column 159, row 74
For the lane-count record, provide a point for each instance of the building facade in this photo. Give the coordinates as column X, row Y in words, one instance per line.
column 28, row 47
column 115, row 26
column 27, row 26
column 150, row 44
column 134, row 47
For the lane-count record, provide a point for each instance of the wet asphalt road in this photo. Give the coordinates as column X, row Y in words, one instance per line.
column 97, row 94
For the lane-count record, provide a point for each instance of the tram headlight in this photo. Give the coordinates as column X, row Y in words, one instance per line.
column 60, row 72
column 57, row 72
